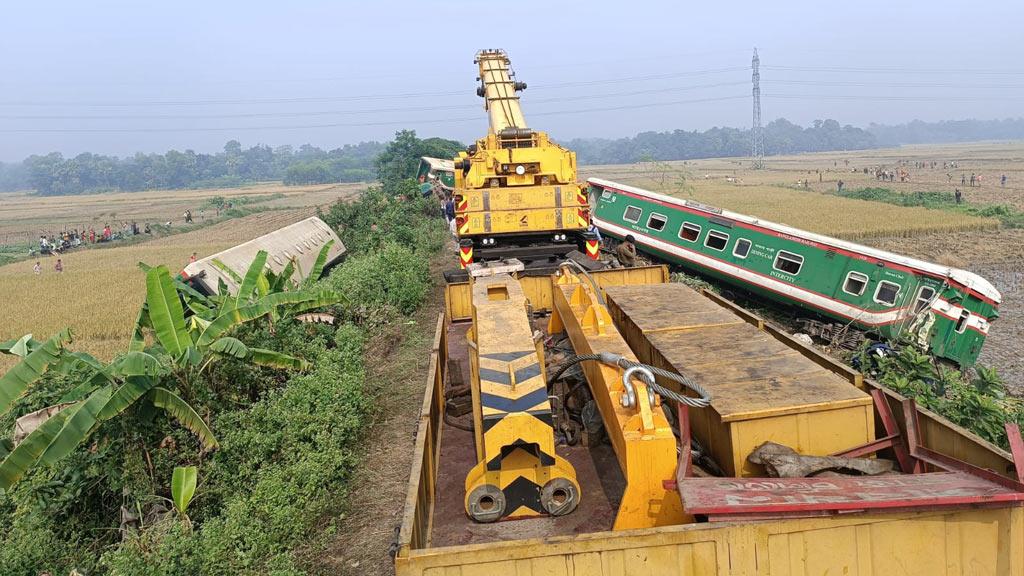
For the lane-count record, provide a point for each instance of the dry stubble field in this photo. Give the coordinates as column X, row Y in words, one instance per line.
column 24, row 216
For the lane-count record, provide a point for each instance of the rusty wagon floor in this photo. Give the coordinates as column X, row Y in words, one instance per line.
column 601, row 481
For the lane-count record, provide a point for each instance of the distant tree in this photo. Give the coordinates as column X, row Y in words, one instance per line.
column 402, row 155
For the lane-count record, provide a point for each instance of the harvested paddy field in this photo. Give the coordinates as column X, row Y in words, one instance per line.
column 26, row 216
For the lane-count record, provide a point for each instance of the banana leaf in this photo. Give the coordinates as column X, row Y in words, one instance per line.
column 30, row 369
column 252, row 276
column 229, row 346
column 165, row 312
column 138, row 341
column 77, row 428
column 183, row 486
column 137, row 364
column 183, row 413
column 26, row 455
column 318, row 266
column 226, row 270
column 20, row 347
column 274, row 359
column 134, row 387
column 232, row 318
column 282, row 280
column 317, row 300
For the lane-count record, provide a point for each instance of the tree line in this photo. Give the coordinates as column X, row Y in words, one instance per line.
column 780, row 137
column 86, row 173
column 918, row 132
column 53, row 174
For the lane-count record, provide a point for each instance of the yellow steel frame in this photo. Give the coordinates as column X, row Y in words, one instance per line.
column 517, row 468
column 641, row 436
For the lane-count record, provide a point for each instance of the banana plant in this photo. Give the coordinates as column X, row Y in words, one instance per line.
column 183, row 488
column 146, row 375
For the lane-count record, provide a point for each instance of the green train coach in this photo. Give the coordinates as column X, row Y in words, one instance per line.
column 946, row 310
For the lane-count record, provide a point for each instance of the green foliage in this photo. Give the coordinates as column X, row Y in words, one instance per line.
column 780, row 137
column 288, row 441
column 287, row 451
column 394, row 277
column 183, row 487
column 1007, row 215
column 397, row 213
column 401, row 158
column 53, row 174
column 979, row 404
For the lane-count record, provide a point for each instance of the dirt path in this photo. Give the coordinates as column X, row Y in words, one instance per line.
column 378, row 487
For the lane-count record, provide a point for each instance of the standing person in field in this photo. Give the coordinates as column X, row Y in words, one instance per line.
column 192, row 258
column 626, row 252
column 839, row 186
column 963, row 180
column 1002, row 181
column 59, row 266
column 958, row 195
column 38, row 268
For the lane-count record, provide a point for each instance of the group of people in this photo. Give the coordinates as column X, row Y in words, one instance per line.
column 58, row 267
column 74, row 238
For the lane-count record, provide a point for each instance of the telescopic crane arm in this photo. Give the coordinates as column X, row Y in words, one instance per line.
column 499, row 90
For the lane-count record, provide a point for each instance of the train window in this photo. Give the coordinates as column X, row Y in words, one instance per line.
column 716, row 240
column 742, row 248
column 689, row 232
column 961, row 322
column 924, row 299
column 632, row 214
column 886, row 293
column 788, row 262
column 656, row 222
column 855, row 283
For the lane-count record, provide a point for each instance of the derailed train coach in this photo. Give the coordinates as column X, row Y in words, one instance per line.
column 947, row 310
column 300, row 242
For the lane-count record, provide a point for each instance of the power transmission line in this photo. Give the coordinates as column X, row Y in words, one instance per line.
column 361, row 97
column 896, row 70
column 599, row 96
column 357, row 124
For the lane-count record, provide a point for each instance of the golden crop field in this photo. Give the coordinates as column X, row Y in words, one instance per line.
column 23, row 217
column 100, row 291
column 822, row 213
column 779, row 193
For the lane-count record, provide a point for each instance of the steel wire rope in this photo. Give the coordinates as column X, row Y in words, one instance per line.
column 703, row 399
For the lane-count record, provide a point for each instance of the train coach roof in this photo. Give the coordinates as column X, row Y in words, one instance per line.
column 301, row 241
column 966, row 278
column 440, row 164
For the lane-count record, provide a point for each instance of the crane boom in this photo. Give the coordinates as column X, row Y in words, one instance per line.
column 499, row 91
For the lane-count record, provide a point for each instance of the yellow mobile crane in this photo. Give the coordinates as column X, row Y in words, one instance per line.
column 516, row 192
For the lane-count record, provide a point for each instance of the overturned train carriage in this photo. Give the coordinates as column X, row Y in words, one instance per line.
column 947, row 310
column 300, row 242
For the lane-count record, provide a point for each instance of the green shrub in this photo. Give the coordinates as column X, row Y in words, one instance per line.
column 1007, row 215
column 393, row 277
column 264, row 490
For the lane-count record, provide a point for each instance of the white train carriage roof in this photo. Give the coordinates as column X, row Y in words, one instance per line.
column 970, row 280
column 301, row 241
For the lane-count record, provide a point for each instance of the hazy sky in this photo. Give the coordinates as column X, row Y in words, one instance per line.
column 120, row 77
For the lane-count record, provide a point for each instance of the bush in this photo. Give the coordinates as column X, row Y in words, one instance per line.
column 263, row 491
column 393, row 278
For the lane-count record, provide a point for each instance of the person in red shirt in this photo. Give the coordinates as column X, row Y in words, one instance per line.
column 192, row 258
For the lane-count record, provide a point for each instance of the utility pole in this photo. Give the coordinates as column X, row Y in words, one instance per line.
column 756, row 134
